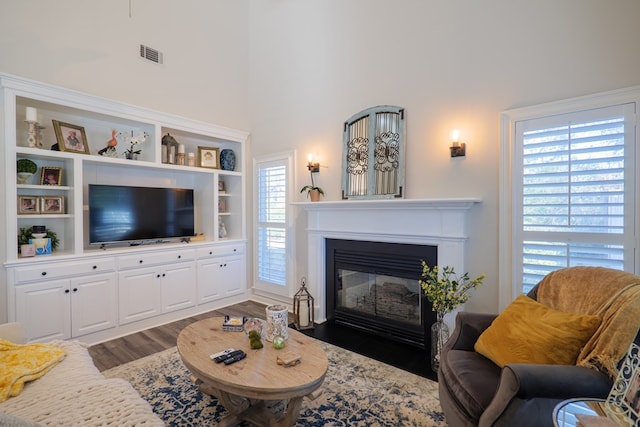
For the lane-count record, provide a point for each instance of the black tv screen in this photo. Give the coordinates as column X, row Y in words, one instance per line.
column 132, row 214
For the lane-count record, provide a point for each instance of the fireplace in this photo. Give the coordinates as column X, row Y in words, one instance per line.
column 430, row 222
column 373, row 287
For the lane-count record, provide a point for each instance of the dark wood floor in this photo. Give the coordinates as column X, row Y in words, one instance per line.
column 135, row 346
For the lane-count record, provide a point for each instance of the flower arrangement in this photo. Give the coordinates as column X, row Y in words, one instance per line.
column 312, row 187
column 133, row 140
column 447, row 290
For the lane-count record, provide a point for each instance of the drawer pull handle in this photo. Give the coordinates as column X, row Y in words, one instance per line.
column 140, row 261
column 234, row 249
column 66, row 291
column 95, row 267
column 158, row 276
column 75, row 289
column 210, row 252
column 179, row 256
column 163, row 274
column 44, row 273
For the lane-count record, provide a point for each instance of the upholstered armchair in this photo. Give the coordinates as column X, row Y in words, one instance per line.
column 475, row 391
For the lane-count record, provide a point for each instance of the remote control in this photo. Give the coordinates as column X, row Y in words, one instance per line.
column 237, row 357
column 227, row 356
column 221, row 353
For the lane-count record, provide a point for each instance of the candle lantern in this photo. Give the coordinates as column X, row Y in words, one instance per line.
column 303, row 307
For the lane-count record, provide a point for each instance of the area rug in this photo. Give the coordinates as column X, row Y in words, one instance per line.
column 357, row 391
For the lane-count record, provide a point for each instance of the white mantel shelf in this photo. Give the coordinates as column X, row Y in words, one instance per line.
column 437, row 222
column 453, row 203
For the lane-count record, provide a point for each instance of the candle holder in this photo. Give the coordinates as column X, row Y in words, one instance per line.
column 303, row 308
column 34, row 134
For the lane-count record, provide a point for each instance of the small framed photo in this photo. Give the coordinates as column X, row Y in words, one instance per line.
column 208, row 157
column 71, row 138
column 221, row 186
column 52, row 204
column 51, row 176
column 28, row 205
column 222, row 205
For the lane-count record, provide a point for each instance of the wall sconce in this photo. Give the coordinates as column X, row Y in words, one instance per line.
column 313, row 167
column 458, row 149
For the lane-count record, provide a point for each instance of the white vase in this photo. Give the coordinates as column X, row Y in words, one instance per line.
column 439, row 336
column 23, row 177
column 277, row 321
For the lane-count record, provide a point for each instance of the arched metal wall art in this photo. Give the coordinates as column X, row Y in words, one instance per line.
column 373, row 154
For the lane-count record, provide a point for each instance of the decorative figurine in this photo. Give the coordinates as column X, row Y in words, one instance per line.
column 110, row 149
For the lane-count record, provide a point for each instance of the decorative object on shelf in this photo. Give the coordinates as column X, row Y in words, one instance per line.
column 26, row 233
column 277, row 320
column 27, row 250
column 28, row 205
column 169, row 149
column 51, row 176
column 71, row 138
column 313, row 192
column 34, row 135
column 220, row 186
column 208, row 157
column 303, row 307
column 180, row 157
column 222, row 205
column 26, row 168
column 222, row 229
column 445, row 292
column 133, row 140
column 191, row 159
column 228, row 159
column 110, row 149
column 52, row 204
column 42, row 245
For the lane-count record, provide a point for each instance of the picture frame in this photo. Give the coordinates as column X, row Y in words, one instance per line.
column 209, row 157
column 52, row 204
column 222, row 206
column 623, row 402
column 221, row 188
column 51, row 176
column 28, row 205
column 71, row 138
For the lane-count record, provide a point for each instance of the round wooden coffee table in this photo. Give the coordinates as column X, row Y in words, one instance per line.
column 255, row 389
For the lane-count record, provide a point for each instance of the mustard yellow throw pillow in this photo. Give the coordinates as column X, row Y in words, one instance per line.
column 529, row 332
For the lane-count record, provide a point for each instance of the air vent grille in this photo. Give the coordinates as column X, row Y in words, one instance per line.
column 150, row 54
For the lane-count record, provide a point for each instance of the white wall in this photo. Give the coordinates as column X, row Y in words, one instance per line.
column 93, row 46
column 451, row 64
column 292, row 71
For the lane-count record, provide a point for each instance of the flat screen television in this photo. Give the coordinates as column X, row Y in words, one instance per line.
column 136, row 215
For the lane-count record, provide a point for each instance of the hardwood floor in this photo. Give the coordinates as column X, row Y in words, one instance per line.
column 135, row 346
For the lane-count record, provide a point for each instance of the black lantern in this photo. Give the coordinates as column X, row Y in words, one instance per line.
column 303, row 307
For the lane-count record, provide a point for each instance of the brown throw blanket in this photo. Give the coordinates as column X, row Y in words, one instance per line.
column 614, row 295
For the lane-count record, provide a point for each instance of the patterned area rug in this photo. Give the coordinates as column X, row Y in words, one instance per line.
column 357, row 391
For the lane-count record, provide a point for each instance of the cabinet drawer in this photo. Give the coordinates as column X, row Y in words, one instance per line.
column 223, row 250
column 63, row 269
column 147, row 259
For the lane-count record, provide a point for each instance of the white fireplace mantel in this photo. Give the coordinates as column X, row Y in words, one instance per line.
column 437, row 222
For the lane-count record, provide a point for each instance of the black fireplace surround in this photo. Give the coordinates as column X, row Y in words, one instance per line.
column 373, row 287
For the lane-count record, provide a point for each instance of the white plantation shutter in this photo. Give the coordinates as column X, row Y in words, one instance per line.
column 574, row 191
column 272, row 202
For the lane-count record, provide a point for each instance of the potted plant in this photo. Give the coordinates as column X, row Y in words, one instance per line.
column 312, row 190
column 445, row 291
column 25, row 235
column 26, row 168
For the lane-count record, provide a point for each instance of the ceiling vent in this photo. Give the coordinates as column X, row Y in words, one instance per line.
column 150, row 54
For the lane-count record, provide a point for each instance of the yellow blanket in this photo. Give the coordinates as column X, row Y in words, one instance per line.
column 22, row 363
column 611, row 294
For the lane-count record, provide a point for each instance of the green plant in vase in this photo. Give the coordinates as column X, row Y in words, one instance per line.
column 25, row 168
column 313, row 191
column 25, row 234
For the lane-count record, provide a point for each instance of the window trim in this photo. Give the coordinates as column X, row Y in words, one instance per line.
column 283, row 293
column 508, row 288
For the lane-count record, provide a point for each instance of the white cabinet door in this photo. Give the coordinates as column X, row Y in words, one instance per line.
column 219, row 278
column 178, row 286
column 93, row 304
column 44, row 310
column 138, row 294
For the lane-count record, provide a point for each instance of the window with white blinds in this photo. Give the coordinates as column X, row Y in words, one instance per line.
column 272, row 227
column 574, row 191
